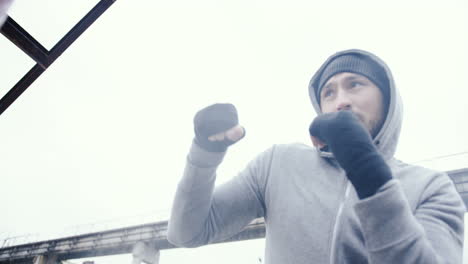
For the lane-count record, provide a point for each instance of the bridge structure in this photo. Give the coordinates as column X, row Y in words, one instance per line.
column 143, row 241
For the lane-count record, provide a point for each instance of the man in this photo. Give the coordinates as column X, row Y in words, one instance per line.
column 348, row 200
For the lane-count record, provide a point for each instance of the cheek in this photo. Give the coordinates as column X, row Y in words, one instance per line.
column 326, row 108
column 375, row 110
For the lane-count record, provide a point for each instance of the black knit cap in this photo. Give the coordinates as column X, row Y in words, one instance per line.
column 359, row 64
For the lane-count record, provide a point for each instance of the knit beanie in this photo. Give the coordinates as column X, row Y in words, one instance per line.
column 359, row 64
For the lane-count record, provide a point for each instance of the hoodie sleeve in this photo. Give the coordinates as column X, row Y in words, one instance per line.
column 432, row 233
column 201, row 213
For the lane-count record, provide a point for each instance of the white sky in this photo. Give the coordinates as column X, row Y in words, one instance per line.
column 100, row 139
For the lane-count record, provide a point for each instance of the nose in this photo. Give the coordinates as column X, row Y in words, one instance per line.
column 342, row 102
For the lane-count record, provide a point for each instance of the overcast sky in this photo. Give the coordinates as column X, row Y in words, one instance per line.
column 100, row 139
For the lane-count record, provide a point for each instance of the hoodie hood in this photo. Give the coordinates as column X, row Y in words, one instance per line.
column 387, row 138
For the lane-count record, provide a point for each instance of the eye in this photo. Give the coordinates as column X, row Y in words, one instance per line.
column 327, row 93
column 356, row 84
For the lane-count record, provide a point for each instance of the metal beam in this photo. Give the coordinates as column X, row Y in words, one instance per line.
column 27, row 43
column 20, row 87
column 79, row 28
column 33, row 48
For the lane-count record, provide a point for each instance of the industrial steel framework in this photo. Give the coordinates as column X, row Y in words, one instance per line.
column 43, row 57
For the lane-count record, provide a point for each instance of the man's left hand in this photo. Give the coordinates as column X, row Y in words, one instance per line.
column 352, row 147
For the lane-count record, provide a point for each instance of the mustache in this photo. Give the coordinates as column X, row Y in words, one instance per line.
column 370, row 125
column 359, row 116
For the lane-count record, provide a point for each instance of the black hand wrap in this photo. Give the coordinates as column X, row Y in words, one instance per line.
column 212, row 120
column 352, row 146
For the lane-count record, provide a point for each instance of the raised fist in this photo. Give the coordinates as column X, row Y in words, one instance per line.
column 353, row 148
column 217, row 127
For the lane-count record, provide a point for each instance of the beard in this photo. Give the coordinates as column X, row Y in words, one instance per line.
column 372, row 125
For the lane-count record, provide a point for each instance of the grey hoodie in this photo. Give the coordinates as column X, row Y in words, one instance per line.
column 312, row 213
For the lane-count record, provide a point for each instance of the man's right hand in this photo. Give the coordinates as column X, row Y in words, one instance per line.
column 217, row 127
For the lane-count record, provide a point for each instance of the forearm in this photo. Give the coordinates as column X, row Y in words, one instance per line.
column 201, row 213
column 192, row 201
column 394, row 234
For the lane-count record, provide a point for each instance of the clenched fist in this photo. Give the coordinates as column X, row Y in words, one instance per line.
column 217, row 127
column 352, row 146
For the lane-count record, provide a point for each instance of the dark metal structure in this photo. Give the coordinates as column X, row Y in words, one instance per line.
column 43, row 57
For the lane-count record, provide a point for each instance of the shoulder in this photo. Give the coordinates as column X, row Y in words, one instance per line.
column 404, row 170
column 422, row 183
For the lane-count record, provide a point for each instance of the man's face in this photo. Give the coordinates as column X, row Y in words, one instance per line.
column 355, row 92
